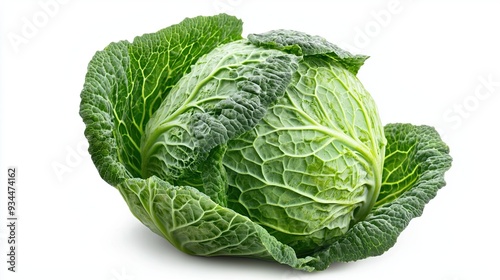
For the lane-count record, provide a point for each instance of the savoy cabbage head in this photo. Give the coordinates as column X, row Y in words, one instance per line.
column 266, row 146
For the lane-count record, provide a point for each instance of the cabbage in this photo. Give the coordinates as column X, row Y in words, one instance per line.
column 267, row 146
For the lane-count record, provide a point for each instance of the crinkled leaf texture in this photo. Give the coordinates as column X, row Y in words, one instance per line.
column 174, row 178
column 417, row 160
column 415, row 163
column 126, row 83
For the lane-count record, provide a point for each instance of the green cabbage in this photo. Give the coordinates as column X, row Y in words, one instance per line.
column 266, row 147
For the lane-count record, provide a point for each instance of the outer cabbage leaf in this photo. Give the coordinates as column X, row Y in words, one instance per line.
column 304, row 44
column 415, row 164
column 196, row 225
column 126, row 82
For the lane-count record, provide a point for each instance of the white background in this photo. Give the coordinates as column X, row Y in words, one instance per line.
column 431, row 63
